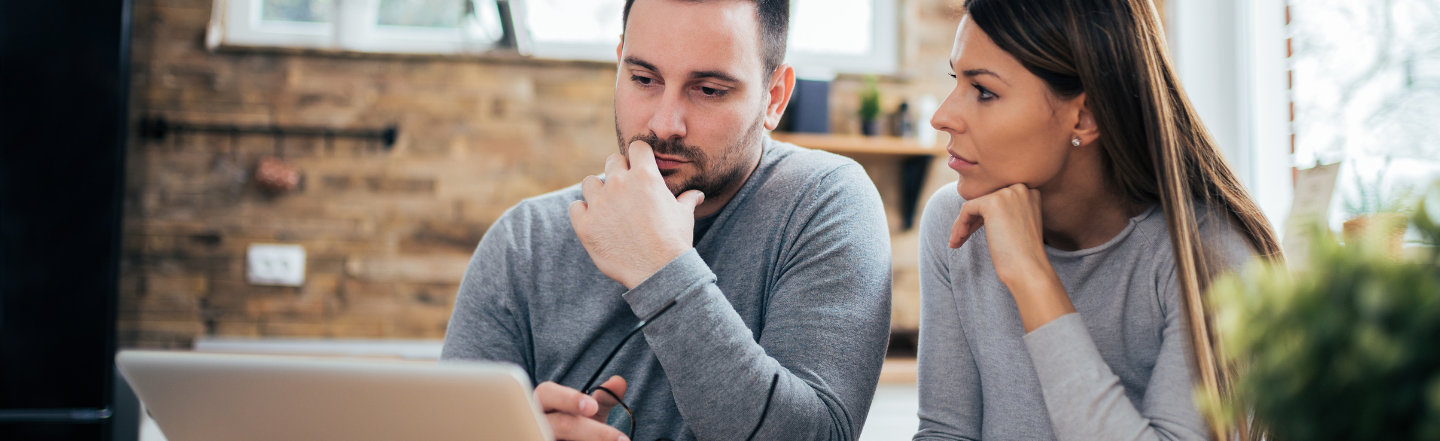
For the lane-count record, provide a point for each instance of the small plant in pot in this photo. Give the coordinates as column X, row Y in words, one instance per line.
column 1347, row 349
column 870, row 108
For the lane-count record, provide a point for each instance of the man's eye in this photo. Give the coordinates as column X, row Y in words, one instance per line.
column 711, row 92
column 642, row 80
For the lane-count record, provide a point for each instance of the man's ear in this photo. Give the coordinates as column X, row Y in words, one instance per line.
column 1085, row 126
column 782, row 84
column 619, row 47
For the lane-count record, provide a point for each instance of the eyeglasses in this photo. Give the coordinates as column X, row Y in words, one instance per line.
column 590, row 386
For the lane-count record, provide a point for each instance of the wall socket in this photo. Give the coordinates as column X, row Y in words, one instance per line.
column 275, row 265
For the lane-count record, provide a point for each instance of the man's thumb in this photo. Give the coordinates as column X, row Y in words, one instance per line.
column 691, row 198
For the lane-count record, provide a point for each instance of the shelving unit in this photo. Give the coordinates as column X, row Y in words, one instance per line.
column 858, row 144
column 912, row 157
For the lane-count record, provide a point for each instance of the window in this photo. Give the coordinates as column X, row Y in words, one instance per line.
column 1367, row 95
column 853, row 36
column 390, row 26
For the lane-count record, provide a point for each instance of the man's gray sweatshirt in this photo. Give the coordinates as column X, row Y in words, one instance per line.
column 792, row 277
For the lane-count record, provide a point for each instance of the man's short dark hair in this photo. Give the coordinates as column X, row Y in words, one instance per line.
column 774, row 19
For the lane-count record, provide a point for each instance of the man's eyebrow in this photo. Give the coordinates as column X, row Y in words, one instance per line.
column 722, row 76
column 642, row 63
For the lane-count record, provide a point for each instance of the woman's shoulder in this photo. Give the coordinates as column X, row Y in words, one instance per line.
column 940, row 212
column 1222, row 239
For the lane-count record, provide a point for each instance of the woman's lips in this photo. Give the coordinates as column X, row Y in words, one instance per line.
column 959, row 164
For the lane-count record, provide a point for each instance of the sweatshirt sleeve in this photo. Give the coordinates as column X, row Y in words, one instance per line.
column 487, row 323
column 950, row 402
column 824, row 328
column 1085, row 398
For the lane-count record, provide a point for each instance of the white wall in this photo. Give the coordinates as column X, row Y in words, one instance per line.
column 1232, row 62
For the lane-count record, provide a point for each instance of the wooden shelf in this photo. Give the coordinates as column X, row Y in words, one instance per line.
column 857, row 144
column 912, row 158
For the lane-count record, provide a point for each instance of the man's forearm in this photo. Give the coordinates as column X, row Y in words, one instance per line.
column 720, row 375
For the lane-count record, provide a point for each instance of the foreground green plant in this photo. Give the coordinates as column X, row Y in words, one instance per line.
column 1348, row 349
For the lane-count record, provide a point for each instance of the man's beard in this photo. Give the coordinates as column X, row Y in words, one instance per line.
column 727, row 169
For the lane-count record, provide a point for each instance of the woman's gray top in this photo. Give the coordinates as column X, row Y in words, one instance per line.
column 1116, row 369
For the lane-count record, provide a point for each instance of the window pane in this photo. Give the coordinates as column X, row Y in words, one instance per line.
column 575, row 21
column 842, row 27
column 315, row 11
column 422, row 13
column 1367, row 91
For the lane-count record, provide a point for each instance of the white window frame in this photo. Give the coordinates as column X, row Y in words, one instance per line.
column 881, row 59
column 238, row 23
column 1231, row 59
column 354, row 28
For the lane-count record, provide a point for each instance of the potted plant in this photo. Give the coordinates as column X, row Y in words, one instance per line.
column 1347, row 349
column 1373, row 205
column 870, row 107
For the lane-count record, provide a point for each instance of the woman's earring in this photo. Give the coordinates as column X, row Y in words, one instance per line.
column 1075, row 141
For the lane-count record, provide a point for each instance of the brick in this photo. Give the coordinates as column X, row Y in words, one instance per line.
column 425, row 268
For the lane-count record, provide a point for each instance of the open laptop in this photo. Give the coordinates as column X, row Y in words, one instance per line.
column 226, row 397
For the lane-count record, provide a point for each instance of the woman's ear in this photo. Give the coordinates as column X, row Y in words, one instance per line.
column 1085, row 127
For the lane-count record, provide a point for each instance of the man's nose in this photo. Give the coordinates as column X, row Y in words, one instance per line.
column 668, row 121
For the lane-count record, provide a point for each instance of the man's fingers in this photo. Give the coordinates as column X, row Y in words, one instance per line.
column 691, row 199
column 556, row 398
column 642, row 157
column 577, row 209
column 590, row 187
column 615, row 384
column 569, row 427
column 615, row 165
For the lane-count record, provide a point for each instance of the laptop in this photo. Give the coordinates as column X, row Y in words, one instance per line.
column 227, row 397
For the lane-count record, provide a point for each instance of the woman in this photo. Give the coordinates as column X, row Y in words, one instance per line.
column 1061, row 286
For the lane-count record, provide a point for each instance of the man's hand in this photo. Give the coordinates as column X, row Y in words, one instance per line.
column 574, row 416
column 630, row 223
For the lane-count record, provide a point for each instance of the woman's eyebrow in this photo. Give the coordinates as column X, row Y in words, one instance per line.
column 970, row 73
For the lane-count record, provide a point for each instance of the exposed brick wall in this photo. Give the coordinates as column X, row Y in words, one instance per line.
column 388, row 232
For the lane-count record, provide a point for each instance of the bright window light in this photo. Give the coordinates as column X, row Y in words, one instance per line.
column 831, row 26
column 1367, row 92
column 312, row 11
column 576, row 21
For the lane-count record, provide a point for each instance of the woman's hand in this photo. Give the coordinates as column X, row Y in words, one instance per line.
column 1015, row 232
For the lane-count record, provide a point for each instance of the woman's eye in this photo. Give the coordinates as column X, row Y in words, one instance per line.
column 985, row 94
column 644, row 81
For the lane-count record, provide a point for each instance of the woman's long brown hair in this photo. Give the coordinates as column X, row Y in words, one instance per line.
column 1156, row 149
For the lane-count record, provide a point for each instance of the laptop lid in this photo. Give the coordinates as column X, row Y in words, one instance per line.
column 227, row 397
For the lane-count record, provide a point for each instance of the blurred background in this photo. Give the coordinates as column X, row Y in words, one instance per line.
column 312, row 176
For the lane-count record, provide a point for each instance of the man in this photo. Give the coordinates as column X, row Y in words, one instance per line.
column 773, row 260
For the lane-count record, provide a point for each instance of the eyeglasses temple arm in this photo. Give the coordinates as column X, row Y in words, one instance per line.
column 608, row 358
column 764, row 411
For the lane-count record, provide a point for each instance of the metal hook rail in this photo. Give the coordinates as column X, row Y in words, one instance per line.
column 157, row 128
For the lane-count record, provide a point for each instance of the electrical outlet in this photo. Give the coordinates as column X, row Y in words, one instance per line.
column 277, row 265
